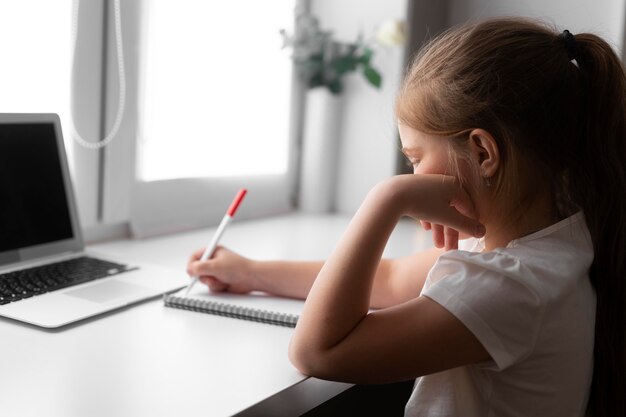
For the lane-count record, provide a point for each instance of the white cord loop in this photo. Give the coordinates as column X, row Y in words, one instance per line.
column 121, row 77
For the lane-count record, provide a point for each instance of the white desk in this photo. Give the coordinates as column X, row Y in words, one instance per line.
column 148, row 360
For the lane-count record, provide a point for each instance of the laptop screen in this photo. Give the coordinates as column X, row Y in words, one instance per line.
column 33, row 201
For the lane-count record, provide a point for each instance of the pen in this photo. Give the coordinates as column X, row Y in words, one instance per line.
column 208, row 252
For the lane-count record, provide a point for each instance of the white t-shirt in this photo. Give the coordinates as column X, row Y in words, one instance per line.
column 532, row 307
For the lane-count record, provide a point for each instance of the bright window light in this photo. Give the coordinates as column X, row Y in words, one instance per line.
column 215, row 89
column 36, row 59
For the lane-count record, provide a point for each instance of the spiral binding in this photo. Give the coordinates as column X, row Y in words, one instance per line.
column 229, row 310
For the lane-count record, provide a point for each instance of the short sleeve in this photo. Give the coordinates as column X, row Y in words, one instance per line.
column 490, row 295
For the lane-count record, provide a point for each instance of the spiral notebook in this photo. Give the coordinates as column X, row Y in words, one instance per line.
column 256, row 306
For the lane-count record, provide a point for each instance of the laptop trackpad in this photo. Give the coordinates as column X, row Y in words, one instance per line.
column 108, row 291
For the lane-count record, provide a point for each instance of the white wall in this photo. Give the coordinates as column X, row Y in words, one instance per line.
column 602, row 17
column 368, row 133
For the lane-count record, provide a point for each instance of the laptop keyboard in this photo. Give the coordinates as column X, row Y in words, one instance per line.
column 17, row 285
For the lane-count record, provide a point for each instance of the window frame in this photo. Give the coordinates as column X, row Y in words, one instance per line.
column 166, row 206
column 87, row 105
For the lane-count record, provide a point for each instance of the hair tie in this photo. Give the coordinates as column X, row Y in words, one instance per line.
column 570, row 45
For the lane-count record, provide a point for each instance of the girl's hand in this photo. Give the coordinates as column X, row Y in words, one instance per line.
column 440, row 203
column 224, row 272
column 444, row 236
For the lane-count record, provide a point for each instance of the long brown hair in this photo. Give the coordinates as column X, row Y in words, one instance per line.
column 557, row 104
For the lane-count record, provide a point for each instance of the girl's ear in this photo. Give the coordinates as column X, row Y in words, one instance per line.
column 485, row 152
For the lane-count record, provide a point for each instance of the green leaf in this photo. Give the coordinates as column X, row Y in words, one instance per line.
column 335, row 86
column 372, row 76
column 344, row 64
column 366, row 57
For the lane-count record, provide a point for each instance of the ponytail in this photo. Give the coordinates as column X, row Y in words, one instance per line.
column 598, row 186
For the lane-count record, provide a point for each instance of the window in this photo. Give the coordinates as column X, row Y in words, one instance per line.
column 36, row 68
column 213, row 94
column 208, row 104
column 216, row 89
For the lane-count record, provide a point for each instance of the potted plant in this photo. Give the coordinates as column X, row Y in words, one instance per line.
column 322, row 62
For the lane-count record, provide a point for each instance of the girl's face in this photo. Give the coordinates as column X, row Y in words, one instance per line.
column 427, row 154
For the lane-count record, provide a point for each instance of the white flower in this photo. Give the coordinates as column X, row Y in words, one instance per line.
column 391, row 33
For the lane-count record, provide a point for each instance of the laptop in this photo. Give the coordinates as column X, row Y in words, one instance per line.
column 46, row 277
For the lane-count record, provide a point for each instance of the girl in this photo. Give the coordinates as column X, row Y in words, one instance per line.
column 517, row 136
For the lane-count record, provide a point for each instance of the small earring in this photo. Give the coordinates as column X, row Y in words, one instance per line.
column 487, row 181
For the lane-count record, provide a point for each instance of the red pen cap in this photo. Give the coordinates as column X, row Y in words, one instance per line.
column 235, row 204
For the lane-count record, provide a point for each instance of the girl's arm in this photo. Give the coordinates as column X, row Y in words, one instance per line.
column 396, row 280
column 337, row 339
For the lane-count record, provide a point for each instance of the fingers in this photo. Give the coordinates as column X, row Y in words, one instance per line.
column 203, row 268
column 193, row 261
column 445, row 237
column 461, row 223
column 459, row 216
column 214, row 284
column 456, row 219
column 463, row 216
column 219, row 271
column 196, row 268
column 438, row 236
column 196, row 255
column 451, row 238
column 193, row 268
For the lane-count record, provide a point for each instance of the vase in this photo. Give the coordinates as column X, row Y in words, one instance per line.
column 320, row 149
